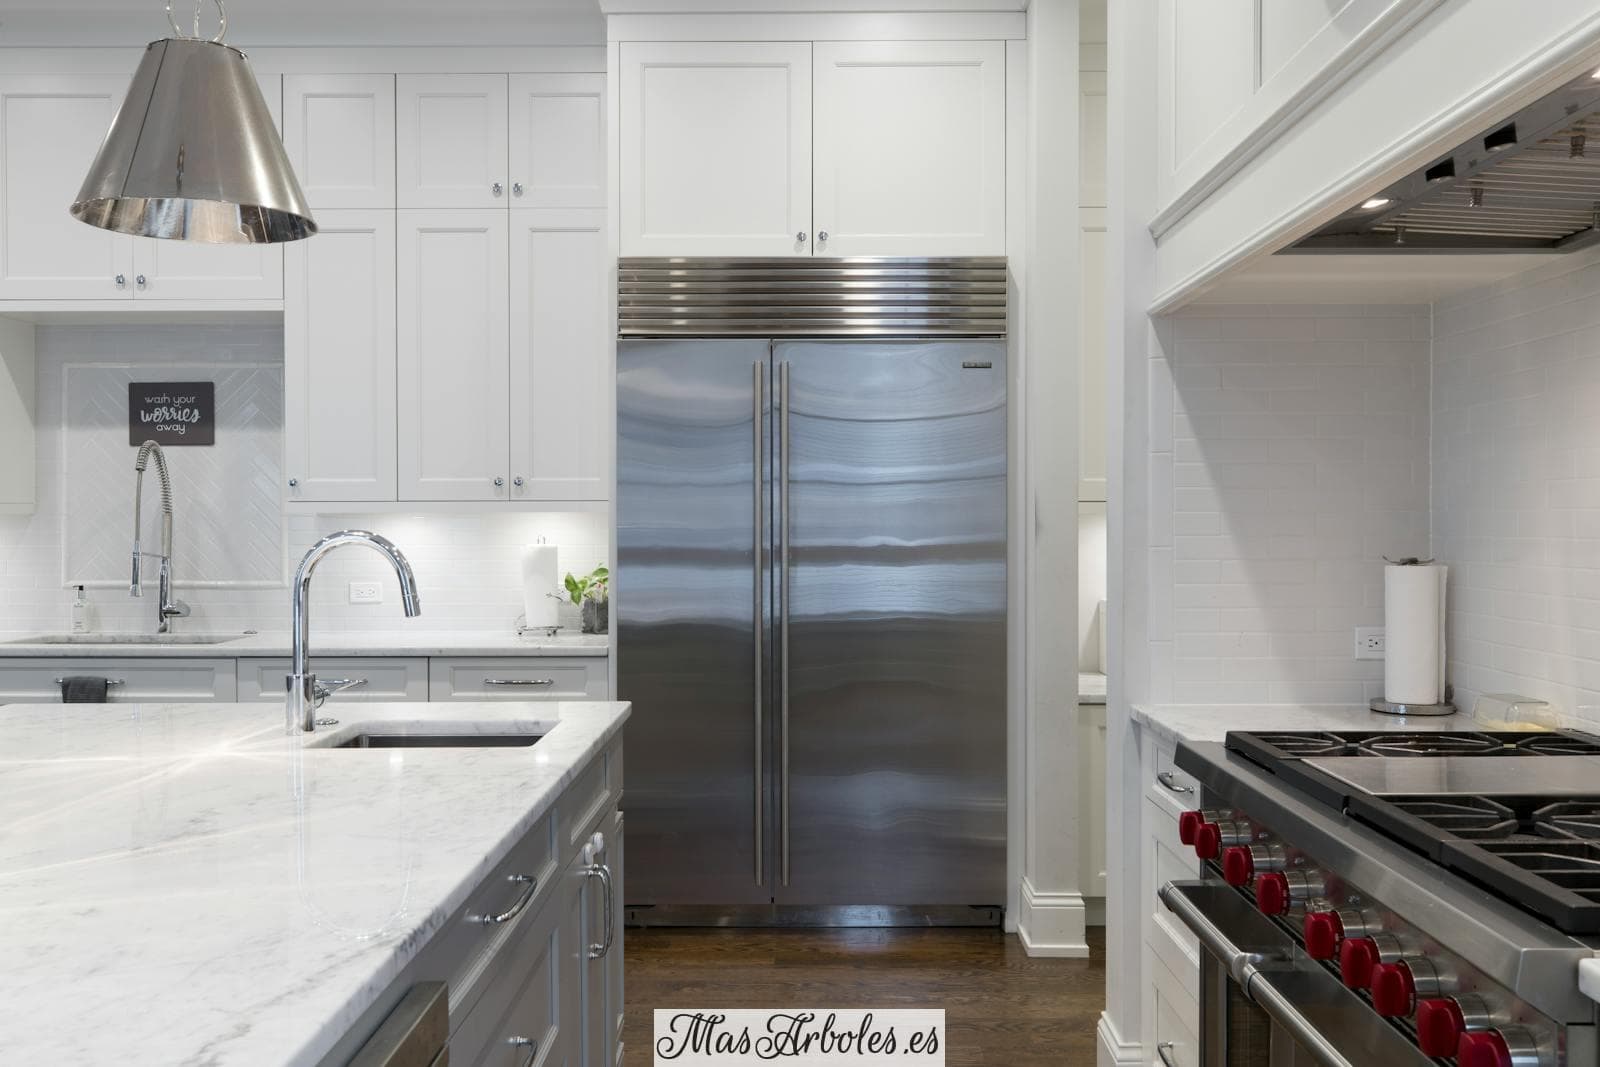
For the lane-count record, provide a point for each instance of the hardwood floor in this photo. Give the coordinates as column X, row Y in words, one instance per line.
column 1001, row 1007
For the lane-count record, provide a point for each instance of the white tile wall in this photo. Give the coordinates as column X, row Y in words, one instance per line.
column 1288, row 455
column 1516, row 484
column 466, row 565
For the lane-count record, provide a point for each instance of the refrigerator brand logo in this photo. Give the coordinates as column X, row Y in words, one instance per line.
column 816, row 1037
column 976, row 364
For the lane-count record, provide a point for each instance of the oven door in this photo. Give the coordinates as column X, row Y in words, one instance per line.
column 1265, row 1003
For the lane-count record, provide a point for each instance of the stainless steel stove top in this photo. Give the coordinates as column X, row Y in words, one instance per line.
column 1548, row 776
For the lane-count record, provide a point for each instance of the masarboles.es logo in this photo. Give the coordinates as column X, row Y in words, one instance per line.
column 815, row 1037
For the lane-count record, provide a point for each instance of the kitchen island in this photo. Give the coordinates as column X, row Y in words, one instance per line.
column 185, row 883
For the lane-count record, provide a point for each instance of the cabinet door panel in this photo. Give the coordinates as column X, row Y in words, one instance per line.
column 190, row 270
column 452, row 351
column 339, row 132
column 50, row 129
column 558, row 152
column 910, row 148
column 339, row 359
column 450, row 135
column 560, row 358
column 716, row 149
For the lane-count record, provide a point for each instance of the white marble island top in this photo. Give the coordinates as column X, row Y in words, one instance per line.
column 186, row 884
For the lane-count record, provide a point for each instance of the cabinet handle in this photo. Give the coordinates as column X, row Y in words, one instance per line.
column 109, row 681
column 822, row 235
column 800, row 237
column 1166, row 779
column 138, row 279
column 528, row 1043
column 122, row 281
column 519, row 681
column 497, row 188
column 592, row 852
column 516, row 909
column 498, row 482
column 517, row 481
column 293, row 482
column 1164, row 1050
column 516, row 188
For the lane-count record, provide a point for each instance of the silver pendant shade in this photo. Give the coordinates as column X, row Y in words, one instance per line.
column 193, row 155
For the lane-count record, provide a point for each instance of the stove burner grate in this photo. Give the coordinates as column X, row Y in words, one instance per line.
column 1574, row 819
column 1305, row 744
column 1404, row 745
column 1465, row 817
column 1560, row 745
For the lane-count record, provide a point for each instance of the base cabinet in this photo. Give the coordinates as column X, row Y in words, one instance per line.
column 1169, row 955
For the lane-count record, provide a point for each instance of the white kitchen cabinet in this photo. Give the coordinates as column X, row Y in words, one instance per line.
column 452, row 355
column 33, row 681
column 1169, row 953
column 190, row 270
column 1092, row 799
column 339, row 131
column 339, row 360
column 560, row 355
column 51, row 127
column 909, row 148
column 18, row 418
column 384, row 679
column 715, row 148
column 602, row 974
column 519, row 678
column 557, row 140
column 451, row 141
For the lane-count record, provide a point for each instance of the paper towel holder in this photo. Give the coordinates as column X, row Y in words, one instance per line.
column 1389, row 707
column 523, row 629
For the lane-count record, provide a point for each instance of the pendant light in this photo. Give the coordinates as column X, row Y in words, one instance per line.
column 192, row 154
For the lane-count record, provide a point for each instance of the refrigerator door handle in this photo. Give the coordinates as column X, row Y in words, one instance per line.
column 759, row 504
column 783, row 626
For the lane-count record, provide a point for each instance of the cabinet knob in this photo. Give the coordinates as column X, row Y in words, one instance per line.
column 822, row 235
column 517, row 481
column 498, row 482
column 516, row 188
column 800, row 237
column 497, row 188
column 139, row 280
column 293, row 482
column 122, row 281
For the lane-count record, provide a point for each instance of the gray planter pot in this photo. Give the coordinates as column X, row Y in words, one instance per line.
column 596, row 616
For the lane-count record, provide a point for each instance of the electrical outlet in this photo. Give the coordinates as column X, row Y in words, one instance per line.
column 366, row 592
column 1369, row 642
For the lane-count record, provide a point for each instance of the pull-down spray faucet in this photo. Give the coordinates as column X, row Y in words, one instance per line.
column 169, row 608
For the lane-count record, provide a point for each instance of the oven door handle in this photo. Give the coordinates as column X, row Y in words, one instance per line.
column 1239, row 963
column 1259, row 988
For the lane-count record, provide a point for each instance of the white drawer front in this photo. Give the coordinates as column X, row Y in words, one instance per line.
column 33, row 681
column 1177, row 1021
column 527, row 678
column 262, row 680
column 1170, row 787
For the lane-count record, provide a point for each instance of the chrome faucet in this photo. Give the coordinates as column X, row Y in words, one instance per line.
column 304, row 693
column 169, row 609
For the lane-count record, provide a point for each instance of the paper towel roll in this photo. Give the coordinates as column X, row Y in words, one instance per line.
column 538, row 582
column 1413, row 623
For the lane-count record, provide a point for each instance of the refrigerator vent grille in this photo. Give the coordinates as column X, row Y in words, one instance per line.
column 803, row 297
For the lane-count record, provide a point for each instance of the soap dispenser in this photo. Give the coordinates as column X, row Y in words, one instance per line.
column 80, row 613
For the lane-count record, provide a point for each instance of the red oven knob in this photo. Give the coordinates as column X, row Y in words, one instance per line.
column 1207, row 841
column 1357, row 957
column 1188, row 823
column 1439, row 1027
column 1272, row 893
column 1483, row 1049
column 1394, row 991
column 1237, row 866
column 1323, row 932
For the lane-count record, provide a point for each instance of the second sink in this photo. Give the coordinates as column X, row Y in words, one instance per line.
column 439, row 741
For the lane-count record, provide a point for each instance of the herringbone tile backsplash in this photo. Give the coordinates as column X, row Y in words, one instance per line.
column 233, row 546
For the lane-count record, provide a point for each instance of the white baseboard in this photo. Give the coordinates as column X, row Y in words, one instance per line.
column 1111, row 1050
column 1052, row 924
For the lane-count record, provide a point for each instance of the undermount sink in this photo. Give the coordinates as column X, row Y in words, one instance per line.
column 439, row 741
column 126, row 639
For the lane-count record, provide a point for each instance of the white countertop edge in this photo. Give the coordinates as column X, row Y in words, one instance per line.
column 380, row 644
column 1211, row 722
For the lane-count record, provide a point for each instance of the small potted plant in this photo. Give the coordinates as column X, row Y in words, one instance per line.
column 589, row 593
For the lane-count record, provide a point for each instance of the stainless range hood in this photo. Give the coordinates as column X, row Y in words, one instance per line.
column 1529, row 184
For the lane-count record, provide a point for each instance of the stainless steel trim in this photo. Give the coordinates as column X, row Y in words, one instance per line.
column 603, row 872
column 1238, row 963
column 1259, row 988
column 836, row 916
column 812, row 297
column 109, row 681
column 1166, row 779
column 517, row 907
column 528, row 1043
column 519, row 681
column 783, row 630
column 415, row 1034
column 759, row 499
column 1164, row 1050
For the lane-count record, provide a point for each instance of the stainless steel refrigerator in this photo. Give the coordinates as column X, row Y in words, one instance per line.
column 811, row 589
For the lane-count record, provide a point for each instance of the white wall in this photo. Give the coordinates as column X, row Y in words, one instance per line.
column 1091, row 581
column 467, row 565
column 1516, row 484
column 1288, row 453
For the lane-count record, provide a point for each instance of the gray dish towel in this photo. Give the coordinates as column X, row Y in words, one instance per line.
column 84, row 689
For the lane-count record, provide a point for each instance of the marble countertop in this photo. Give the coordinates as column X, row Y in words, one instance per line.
column 1210, row 722
column 185, row 884
column 403, row 642
column 1091, row 687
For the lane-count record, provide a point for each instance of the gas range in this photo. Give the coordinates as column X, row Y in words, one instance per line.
column 1397, row 898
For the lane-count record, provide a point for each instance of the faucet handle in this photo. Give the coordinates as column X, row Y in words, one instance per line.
column 328, row 687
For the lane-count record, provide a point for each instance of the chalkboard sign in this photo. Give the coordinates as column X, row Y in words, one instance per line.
column 172, row 413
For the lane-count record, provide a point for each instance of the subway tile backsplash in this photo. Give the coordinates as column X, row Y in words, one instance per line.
column 468, row 566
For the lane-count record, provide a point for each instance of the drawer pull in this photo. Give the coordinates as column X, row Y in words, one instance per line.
column 519, row 681
column 516, row 909
column 1164, row 1050
column 592, row 852
column 109, row 681
column 1166, row 779
column 528, row 1043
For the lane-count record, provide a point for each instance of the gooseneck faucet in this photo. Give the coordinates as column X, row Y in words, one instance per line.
column 304, row 694
column 169, row 608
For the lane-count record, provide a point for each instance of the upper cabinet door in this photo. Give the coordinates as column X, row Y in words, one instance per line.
column 452, row 344
column 716, row 149
column 560, row 355
column 910, row 148
column 339, row 132
column 558, row 145
column 339, row 359
column 50, row 129
column 450, row 137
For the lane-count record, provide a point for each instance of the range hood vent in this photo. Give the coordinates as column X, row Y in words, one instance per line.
column 1529, row 184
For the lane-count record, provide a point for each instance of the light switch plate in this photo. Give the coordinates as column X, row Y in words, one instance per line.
column 366, row 592
column 1369, row 642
